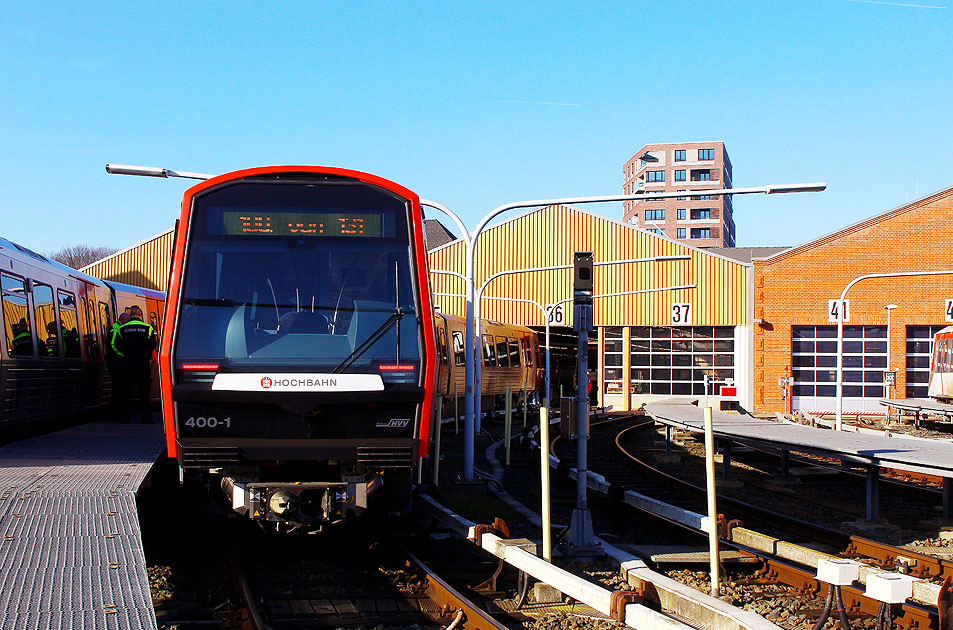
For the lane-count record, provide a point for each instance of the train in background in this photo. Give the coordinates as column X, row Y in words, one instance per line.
column 55, row 321
column 302, row 356
column 511, row 358
column 941, row 367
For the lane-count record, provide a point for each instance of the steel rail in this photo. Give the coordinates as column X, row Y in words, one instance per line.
column 449, row 598
column 915, row 616
column 447, row 601
column 923, row 566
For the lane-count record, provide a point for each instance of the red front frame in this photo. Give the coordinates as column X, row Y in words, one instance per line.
column 429, row 361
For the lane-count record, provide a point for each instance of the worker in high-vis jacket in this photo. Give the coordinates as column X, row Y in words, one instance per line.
column 119, row 395
column 134, row 343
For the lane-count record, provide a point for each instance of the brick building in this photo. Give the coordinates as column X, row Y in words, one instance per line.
column 698, row 221
column 795, row 334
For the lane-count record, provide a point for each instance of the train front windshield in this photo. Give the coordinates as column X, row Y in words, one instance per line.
column 293, row 274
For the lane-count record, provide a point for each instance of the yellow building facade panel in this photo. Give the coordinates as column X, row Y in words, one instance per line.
column 145, row 264
column 548, row 237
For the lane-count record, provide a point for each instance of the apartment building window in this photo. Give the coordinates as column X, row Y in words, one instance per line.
column 706, row 154
column 656, row 176
column 655, row 215
column 700, row 175
column 681, row 198
column 680, row 155
column 680, row 175
column 680, row 214
column 680, row 232
column 703, row 198
column 701, row 232
column 701, row 213
column 657, row 231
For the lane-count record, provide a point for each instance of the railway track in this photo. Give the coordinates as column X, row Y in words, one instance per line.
column 656, row 483
column 345, row 580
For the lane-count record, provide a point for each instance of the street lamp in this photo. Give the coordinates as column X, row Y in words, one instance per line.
column 152, row 171
column 472, row 405
column 839, row 414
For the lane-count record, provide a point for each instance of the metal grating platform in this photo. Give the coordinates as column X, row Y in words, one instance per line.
column 934, row 457
column 70, row 549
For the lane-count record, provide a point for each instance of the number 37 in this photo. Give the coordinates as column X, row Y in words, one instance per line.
column 681, row 313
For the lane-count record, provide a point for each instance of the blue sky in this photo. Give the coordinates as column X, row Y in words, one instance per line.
column 472, row 107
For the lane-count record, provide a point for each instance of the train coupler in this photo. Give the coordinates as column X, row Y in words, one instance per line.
column 302, row 503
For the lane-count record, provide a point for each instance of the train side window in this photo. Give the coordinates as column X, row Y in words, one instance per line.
column 16, row 317
column 44, row 314
column 489, row 351
column 92, row 343
column 105, row 322
column 69, row 324
column 502, row 353
column 514, row 352
column 527, row 352
column 442, row 345
column 459, row 348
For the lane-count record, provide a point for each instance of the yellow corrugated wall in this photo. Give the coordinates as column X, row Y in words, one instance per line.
column 144, row 265
column 549, row 236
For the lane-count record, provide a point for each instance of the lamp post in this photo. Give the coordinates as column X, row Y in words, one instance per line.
column 839, row 417
column 472, row 409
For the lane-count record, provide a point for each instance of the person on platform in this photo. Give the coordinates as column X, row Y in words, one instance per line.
column 118, row 405
column 134, row 343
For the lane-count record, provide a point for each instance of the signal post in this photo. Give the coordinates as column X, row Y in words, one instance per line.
column 582, row 539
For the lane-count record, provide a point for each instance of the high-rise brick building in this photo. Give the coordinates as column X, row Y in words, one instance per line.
column 698, row 221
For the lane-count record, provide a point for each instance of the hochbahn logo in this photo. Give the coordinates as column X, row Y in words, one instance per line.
column 267, row 382
column 291, row 382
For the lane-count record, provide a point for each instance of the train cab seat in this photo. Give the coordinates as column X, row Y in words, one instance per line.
column 304, row 322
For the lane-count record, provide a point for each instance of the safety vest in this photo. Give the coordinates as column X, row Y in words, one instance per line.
column 111, row 345
column 23, row 344
column 135, row 341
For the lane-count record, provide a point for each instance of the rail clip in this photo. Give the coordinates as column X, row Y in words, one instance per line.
column 618, row 600
column 499, row 528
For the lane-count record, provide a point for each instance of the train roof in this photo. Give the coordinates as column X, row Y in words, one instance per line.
column 131, row 288
column 27, row 255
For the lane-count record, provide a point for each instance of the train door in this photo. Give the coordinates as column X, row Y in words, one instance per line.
column 153, row 316
column 92, row 346
column 459, row 353
column 19, row 366
column 105, row 319
column 443, row 355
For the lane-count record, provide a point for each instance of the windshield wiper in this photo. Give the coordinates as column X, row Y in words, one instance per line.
column 373, row 338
